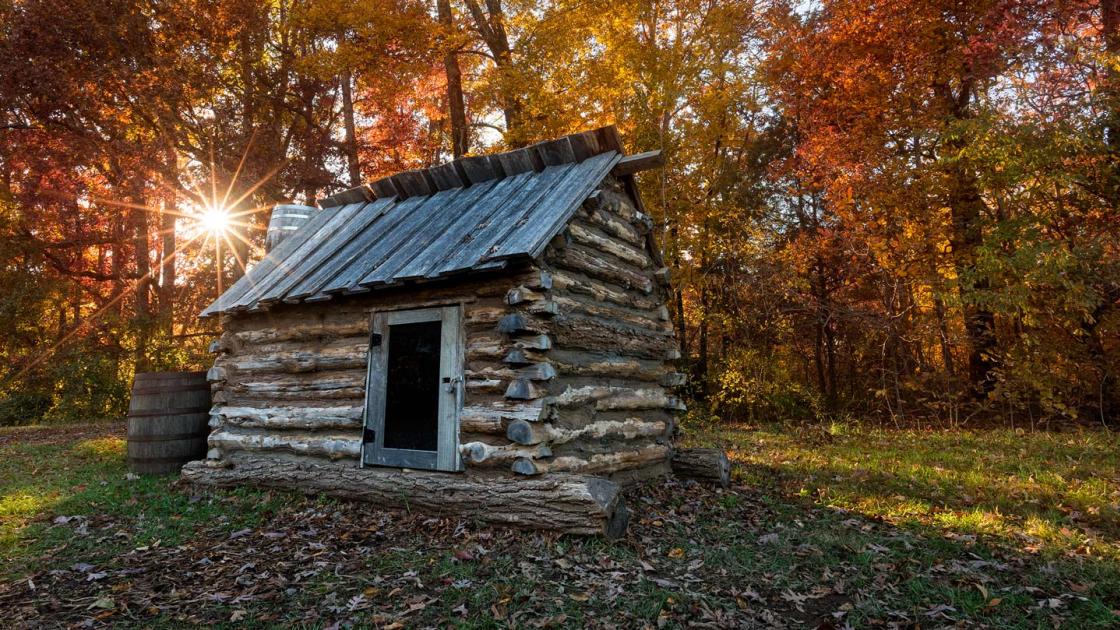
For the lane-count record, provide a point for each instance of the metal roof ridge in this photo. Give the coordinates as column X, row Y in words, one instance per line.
column 465, row 171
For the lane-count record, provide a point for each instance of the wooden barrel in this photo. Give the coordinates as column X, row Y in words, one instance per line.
column 168, row 420
column 286, row 219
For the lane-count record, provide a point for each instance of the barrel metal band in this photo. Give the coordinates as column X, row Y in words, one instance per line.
column 167, row 438
column 176, row 411
column 159, row 460
column 169, row 390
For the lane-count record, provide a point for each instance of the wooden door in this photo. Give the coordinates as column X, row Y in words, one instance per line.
column 414, row 389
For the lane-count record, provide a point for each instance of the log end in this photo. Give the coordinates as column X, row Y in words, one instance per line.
column 512, row 324
column 525, row 466
column 608, row 495
column 617, row 522
column 709, row 465
column 517, row 357
column 521, row 432
column 523, row 389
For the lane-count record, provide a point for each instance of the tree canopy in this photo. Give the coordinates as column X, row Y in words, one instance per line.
column 896, row 209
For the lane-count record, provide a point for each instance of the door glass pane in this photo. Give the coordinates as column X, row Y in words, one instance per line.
column 412, row 393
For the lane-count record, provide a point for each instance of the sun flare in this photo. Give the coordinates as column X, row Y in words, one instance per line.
column 215, row 220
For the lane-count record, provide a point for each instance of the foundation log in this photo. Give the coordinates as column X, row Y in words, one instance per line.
column 572, row 504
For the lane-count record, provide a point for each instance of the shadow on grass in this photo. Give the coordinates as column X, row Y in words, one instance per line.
column 962, row 562
column 1061, row 489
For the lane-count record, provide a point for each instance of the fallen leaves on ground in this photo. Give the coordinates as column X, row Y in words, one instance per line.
column 744, row 557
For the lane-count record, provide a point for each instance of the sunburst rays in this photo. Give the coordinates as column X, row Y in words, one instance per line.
column 210, row 219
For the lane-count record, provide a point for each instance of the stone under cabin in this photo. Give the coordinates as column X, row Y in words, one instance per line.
column 487, row 338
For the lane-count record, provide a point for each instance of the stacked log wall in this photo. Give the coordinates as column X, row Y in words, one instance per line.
column 289, row 383
column 608, row 407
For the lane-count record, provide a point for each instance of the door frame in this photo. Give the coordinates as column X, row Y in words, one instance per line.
column 446, row 456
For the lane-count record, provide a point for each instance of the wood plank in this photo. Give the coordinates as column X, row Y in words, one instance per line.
column 358, row 194
column 609, row 139
column 378, row 244
column 636, row 163
column 350, row 221
column 555, row 152
column 330, row 201
column 490, row 236
column 520, row 161
column 451, row 371
column 376, row 383
column 480, row 168
column 446, row 177
column 417, row 183
column 384, row 187
column 584, row 145
column 296, row 258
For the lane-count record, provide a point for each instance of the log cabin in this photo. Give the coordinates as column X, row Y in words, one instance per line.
column 487, row 338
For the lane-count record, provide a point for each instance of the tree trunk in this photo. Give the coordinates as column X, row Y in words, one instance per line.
column 818, row 354
column 567, row 503
column 825, row 339
column 5, row 178
column 238, row 238
column 967, row 208
column 116, row 264
column 351, row 140
column 455, row 106
column 490, row 25
column 943, row 337
column 701, row 374
column 167, row 273
column 1108, row 398
column 1107, row 402
column 830, row 358
column 1110, row 31
column 142, row 252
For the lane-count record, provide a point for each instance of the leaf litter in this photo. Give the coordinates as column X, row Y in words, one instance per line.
column 693, row 556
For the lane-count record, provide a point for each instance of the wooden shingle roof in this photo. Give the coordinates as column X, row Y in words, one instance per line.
column 473, row 214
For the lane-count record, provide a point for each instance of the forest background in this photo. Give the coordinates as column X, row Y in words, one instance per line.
column 903, row 210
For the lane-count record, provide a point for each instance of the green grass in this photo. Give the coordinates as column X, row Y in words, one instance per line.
column 1054, row 493
column 1049, row 502
column 87, row 478
column 850, row 524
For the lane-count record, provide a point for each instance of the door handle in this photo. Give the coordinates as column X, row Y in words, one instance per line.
column 452, row 383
